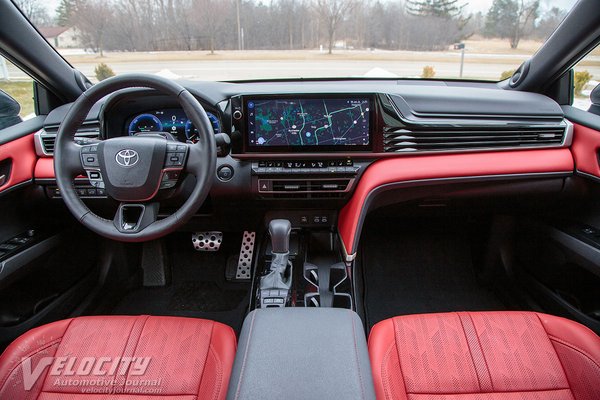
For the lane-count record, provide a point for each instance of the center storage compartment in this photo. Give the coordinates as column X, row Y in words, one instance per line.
column 302, row 353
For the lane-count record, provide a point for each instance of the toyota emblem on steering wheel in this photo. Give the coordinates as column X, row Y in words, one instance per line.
column 127, row 158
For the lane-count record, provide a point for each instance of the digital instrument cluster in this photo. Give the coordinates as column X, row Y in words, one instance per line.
column 171, row 120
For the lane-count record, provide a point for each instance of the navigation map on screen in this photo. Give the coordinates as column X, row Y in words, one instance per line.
column 308, row 122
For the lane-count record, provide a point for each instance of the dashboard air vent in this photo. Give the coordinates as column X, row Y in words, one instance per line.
column 302, row 188
column 405, row 140
column 47, row 137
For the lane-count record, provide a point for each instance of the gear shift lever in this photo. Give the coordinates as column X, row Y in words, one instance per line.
column 280, row 230
column 275, row 286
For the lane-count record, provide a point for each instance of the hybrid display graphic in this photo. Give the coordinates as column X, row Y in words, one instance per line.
column 308, row 122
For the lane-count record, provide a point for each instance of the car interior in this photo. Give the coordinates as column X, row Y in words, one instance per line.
column 447, row 248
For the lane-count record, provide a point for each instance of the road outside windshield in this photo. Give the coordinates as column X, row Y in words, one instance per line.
column 258, row 39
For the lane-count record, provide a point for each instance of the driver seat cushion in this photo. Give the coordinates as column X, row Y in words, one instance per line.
column 484, row 355
column 185, row 358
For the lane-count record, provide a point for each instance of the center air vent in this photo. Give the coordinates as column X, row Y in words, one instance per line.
column 411, row 140
column 305, row 188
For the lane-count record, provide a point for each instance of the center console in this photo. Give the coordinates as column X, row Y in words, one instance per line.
column 277, row 357
column 301, row 267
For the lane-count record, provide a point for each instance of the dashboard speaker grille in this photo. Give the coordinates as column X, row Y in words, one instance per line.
column 405, row 140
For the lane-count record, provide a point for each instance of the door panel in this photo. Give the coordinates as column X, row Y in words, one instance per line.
column 17, row 162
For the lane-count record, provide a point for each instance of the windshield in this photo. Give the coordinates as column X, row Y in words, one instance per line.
column 262, row 39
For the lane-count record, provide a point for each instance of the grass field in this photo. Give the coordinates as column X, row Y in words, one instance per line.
column 22, row 92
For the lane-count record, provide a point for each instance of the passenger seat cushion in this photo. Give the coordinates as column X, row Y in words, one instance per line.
column 188, row 358
column 484, row 355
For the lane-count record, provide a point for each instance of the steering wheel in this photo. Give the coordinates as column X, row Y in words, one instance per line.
column 133, row 169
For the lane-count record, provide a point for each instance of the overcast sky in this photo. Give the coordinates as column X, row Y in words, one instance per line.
column 484, row 5
column 472, row 5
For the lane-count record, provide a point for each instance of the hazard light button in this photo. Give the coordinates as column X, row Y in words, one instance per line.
column 265, row 185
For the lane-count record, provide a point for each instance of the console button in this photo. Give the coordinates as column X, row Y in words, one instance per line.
column 265, row 185
column 225, row 173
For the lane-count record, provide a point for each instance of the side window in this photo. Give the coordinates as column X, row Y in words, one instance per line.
column 16, row 95
column 586, row 79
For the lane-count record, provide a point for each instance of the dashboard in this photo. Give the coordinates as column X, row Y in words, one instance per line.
column 311, row 142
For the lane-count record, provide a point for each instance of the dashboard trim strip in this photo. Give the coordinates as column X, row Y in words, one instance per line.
column 447, row 168
column 424, row 182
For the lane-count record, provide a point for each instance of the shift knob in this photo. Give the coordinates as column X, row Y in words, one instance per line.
column 280, row 229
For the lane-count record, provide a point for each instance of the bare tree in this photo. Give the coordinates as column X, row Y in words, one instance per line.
column 92, row 18
column 511, row 19
column 332, row 13
column 527, row 15
column 35, row 11
column 210, row 18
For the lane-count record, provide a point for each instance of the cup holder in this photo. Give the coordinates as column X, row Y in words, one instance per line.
column 332, row 282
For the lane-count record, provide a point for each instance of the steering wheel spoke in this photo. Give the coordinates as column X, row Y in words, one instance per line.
column 195, row 164
column 88, row 161
column 73, row 164
column 135, row 217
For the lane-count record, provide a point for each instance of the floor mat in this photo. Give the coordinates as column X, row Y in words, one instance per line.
column 198, row 286
column 421, row 269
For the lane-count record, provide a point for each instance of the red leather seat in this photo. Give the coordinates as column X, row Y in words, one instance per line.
column 484, row 355
column 122, row 357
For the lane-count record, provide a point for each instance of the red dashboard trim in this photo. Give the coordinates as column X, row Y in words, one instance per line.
column 21, row 153
column 586, row 149
column 415, row 168
column 44, row 169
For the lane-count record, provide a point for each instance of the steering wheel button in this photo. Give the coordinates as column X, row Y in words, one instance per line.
column 90, row 160
column 172, row 148
column 181, row 148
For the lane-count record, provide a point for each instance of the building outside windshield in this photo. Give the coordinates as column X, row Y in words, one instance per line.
column 232, row 40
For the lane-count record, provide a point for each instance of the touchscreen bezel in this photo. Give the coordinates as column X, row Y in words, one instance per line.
column 250, row 148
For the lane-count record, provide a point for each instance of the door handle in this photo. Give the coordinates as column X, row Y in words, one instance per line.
column 3, row 179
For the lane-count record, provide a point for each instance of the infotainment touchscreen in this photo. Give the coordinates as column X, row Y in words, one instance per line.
column 292, row 123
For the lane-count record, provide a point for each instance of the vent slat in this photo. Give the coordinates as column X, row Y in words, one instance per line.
column 49, row 136
column 405, row 140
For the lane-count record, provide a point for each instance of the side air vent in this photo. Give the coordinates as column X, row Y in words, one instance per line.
column 46, row 138
column 405, row 140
